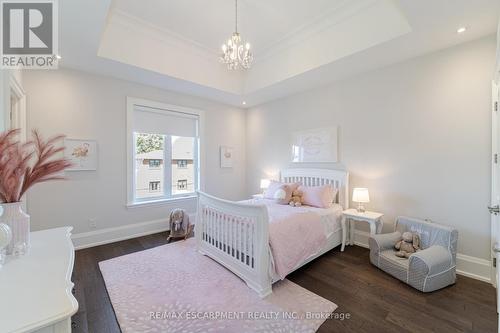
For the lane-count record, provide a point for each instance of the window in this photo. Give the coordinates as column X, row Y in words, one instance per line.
column 154, row 186
column 163, row 151
column 149, row 152
column 182, row 184
column 154, row 164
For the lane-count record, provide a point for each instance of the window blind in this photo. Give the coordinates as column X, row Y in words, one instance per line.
column 166, row 122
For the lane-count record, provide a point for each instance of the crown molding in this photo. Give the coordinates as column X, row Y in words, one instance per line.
column 160, row 33
column 326, row 20
column 360, row 16
column 329, row 18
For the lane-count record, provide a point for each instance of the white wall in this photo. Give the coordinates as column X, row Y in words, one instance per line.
column 87, row 106
column 417, row 134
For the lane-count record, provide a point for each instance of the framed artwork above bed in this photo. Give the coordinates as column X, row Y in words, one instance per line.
column 315, row 145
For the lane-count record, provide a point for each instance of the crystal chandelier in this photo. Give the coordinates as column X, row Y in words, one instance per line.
column 235, row 53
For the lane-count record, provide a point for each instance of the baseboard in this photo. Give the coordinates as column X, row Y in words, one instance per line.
column 473, row 267
column 110, row 235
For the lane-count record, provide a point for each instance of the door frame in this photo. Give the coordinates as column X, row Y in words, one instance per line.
column 17, row 110
column 16, row 115
column 495, row 174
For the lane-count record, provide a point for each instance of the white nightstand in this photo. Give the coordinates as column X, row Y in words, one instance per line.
column 349, row 215
column 258, row 196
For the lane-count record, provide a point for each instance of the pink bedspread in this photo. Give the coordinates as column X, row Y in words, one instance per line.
column 295, row 234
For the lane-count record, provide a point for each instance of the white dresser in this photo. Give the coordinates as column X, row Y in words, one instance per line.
column 35, row 290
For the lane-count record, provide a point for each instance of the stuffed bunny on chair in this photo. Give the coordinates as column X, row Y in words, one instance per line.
column 408, row 245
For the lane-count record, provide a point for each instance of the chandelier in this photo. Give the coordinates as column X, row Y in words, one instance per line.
column 235, row 53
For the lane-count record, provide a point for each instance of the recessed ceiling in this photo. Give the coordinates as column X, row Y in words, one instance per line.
column 209, row 23
column 300, row 38
column 174, row 44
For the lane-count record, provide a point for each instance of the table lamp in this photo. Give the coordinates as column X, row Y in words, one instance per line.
column 264, row 184
column 361, row 196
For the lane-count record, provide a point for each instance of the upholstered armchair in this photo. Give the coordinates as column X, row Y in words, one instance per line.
column 429, row 269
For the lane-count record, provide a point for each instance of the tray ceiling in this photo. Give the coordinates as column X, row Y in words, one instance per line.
column 209, row 23
column 174, row 44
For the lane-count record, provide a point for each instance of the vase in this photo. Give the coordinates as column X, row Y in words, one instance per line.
column 13, row 215
column 5, row 238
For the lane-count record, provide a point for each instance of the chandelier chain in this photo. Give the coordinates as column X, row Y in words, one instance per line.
column 235, row 52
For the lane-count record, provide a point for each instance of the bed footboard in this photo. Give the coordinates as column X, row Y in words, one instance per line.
column 237, row 236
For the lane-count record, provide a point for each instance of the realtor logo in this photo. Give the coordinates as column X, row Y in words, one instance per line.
column 29, row 34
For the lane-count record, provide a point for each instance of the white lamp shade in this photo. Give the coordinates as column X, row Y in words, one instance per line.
column 360, row 195
column 264, row 183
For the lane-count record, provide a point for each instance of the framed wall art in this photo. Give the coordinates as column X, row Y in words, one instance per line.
column 315, row 146
column 82, row 153
column 226, row 157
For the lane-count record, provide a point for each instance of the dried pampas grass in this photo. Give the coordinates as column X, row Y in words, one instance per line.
column 23, row 165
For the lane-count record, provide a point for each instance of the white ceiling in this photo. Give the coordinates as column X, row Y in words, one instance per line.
column 210, row 23
column 173, row 44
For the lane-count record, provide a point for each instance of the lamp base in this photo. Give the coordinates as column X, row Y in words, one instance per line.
column 361, row 208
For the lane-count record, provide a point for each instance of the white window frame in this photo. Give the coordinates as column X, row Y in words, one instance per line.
column 132, row 102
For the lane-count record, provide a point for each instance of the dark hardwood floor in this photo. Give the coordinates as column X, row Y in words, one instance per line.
column 374, row 301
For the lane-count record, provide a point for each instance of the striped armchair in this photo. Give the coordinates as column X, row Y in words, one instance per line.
column 432, row 268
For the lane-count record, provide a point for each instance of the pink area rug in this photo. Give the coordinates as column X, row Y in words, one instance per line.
column 173, row 288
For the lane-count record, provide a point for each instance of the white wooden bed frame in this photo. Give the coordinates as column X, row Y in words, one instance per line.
column 237, row 234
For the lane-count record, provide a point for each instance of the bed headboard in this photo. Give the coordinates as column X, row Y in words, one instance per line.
column 314, row 177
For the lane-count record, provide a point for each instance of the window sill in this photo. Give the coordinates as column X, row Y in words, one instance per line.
column 159, row 202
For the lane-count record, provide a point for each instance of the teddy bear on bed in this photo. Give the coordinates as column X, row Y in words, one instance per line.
column 409, row 244
column 296, row 200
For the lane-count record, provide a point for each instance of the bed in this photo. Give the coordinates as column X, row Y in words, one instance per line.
column 237, row 234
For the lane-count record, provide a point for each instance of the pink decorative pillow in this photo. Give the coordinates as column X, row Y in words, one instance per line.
column 318, row 196
column 274, row 186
